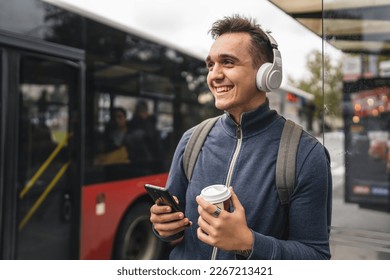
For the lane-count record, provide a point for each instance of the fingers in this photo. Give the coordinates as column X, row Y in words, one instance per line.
column 171, row 228
column 207, row 209
column 208, row 222
column 161, row 209
column 164, row 214
column 206, row 237
column 167, row 223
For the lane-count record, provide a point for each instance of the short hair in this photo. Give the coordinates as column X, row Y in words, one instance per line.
column 141, row 106
column 260, row 49
column 118, row 109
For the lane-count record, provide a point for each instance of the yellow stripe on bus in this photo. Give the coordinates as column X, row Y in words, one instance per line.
column 44, row 195
column 43, row 167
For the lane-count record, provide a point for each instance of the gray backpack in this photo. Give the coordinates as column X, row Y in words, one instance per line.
column 285, row 163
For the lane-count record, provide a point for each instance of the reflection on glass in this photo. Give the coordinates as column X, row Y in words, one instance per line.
column 361, row 222
column 355, row 117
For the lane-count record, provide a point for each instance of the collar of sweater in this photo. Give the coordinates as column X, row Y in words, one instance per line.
column 252, row 123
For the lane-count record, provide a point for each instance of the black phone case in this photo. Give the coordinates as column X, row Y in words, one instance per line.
column 165, row 197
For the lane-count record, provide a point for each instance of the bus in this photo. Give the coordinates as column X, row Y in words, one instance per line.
column 71, row 184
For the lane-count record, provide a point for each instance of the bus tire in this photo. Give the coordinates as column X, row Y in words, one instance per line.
column 135, row 239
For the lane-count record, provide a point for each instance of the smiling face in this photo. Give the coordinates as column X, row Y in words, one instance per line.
column 232, row 75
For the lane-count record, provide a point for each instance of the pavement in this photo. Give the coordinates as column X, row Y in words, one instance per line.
column 356, row 233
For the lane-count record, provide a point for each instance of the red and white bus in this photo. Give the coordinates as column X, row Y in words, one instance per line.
column 65, row 192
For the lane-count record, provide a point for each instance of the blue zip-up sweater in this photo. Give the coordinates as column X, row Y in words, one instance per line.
column 299, row 232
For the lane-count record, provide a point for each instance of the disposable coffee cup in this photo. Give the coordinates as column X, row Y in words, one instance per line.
column 218, row 195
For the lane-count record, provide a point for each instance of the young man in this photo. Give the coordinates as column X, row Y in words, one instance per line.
column 241, row 151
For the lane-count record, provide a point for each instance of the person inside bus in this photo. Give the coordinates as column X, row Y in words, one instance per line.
column 146, row 148
column 115, row 154
column 248, row 134
column 133, row 147
column 117, row 129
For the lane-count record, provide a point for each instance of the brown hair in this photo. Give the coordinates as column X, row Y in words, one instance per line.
column 260, row 49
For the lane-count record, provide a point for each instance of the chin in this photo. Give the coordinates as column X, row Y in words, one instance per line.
column 220, row 106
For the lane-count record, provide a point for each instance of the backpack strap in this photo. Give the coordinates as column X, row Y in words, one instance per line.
column 286, row 161
column 285, row 164
column 195, row 143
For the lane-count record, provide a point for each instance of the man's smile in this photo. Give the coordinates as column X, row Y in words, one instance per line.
column 223, row 89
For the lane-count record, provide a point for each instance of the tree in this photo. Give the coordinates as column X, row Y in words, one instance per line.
column 327, row 89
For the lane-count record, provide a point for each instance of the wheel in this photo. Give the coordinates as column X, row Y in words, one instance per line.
column 135, row 239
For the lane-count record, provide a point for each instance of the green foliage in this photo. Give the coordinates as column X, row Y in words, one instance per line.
column 327, row 87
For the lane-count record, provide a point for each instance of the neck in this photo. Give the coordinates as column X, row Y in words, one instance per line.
column 253, row 105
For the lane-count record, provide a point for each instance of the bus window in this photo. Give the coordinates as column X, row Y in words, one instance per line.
column 165, row 126
column 153, row 84
column 129, row 138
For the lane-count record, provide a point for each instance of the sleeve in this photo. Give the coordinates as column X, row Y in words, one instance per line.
column 309, row 212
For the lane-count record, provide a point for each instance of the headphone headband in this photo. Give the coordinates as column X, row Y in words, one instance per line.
column 272, row 41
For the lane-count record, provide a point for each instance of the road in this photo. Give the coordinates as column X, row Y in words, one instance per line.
column 356, row 233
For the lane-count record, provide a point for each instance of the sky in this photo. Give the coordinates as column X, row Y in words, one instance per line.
column 185, row 24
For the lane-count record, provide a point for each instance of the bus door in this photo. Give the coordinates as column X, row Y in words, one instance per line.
column 42, row 97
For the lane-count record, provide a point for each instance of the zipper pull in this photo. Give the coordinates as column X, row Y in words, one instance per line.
column 238, row 132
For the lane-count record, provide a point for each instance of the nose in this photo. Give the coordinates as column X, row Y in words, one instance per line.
column 216, row 73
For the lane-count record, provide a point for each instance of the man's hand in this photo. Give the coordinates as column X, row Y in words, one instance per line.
column 166, row 222
column 228, row 231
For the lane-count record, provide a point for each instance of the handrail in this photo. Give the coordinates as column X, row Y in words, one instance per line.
column 44, row 166
column 43, row 196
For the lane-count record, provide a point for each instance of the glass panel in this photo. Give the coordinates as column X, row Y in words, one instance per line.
column 32, row 13
column 357, row 113
column 41, row 20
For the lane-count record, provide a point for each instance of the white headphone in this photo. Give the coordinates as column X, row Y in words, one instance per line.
column 269, row 76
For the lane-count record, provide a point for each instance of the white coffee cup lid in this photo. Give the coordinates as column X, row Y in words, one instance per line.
column 215, row 193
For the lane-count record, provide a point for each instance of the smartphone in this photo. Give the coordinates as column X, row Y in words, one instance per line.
column 163, row 195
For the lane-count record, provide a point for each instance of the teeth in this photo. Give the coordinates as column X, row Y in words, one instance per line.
column 223, row 89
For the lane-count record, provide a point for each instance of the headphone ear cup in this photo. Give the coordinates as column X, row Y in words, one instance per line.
column 269, row 76
column 274, row 79
column 262, row 75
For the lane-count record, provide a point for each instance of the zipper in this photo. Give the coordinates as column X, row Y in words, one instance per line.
column 230, row 172
column 235, row 155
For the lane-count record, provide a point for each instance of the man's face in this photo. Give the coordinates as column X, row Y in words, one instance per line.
column 120, row 119
column 232, row 76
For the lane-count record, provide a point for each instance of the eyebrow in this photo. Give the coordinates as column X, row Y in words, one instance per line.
column 222, row 56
